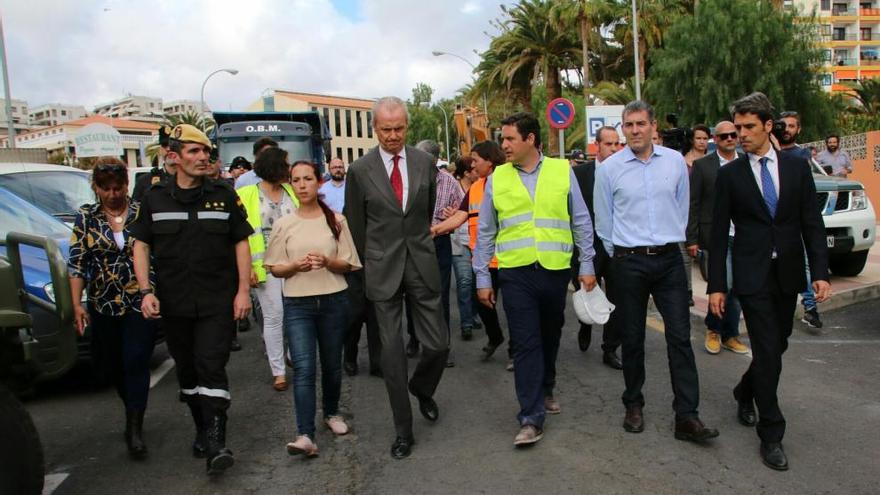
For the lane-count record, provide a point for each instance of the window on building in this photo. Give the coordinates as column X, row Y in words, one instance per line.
column 64, row 113
column 339, row 153
column 360, row 152
column 314, row 109
column 348, row 124
column 865, row 34
column 826, row 5
column 360, row 125
column 370, row 125
column 327, row 116
column 826, row 55
column 838, row 9
column 338, row 119
column 350, row 155
column 839, row 34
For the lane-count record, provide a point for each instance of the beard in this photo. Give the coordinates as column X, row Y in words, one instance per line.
column 337, row 177
column 788, row 138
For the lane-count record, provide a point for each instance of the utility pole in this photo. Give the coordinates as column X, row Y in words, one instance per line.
column 10, row 137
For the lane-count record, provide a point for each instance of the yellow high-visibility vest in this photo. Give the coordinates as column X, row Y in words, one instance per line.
column 250, row 198
column 533, row 231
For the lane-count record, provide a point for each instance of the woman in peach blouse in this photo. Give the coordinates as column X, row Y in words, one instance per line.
column 311, row 249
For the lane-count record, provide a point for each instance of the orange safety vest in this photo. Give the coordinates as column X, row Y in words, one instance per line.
column 475, row 199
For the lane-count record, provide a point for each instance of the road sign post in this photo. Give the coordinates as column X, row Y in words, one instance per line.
column 560, row 115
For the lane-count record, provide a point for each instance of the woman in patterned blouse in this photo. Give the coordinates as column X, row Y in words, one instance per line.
column 101, row 263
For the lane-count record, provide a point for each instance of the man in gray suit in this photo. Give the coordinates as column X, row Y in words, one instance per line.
column 389, row 204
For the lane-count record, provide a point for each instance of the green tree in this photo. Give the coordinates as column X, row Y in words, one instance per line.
column 730, row 48
column 654, row 19
column 193, row 118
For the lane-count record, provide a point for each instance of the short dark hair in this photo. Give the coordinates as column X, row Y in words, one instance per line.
column 756, row 103
column 791, row 114
column 271, row 165
column 835, row 136
column 702, row 127
column 262, row 143
column 489, row 151
column 526, row 124
column 638, row 106
column 463, row 165
column 605, row 128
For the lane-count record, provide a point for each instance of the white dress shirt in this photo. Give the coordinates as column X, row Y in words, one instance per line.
column 388, row 160
column 772, row 166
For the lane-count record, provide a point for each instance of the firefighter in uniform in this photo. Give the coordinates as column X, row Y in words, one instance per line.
column 157, row 174
column 196, row 231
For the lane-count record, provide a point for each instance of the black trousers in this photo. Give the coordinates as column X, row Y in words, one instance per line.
column 361, row 312
column 602, row 265
column 121, row 349
column 662, row 276
column 200, row 348
column 769, row 317
column 489, row 316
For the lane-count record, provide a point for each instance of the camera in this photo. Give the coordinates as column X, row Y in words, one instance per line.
column 778, row 130
column 677, row 138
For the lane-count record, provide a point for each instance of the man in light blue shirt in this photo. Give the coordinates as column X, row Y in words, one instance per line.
column 333, row 191
column 641, row 200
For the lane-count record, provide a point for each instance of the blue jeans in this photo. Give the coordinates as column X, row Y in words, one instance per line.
column 311, row 320
column 464, row 284
column 728, row 326
column 808, row 297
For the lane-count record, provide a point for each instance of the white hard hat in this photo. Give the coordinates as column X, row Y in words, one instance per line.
column 592, row 307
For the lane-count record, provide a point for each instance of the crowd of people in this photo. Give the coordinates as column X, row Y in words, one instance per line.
column 376, row 244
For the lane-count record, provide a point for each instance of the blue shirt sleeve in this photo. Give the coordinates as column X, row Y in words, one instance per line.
column 581, row 226
column 487, row 228
column 602, row 207
column 683, row 198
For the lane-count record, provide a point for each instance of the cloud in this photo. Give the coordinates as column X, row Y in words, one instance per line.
column 93, row 51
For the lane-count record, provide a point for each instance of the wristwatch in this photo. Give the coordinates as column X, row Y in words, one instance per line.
column 144, row 292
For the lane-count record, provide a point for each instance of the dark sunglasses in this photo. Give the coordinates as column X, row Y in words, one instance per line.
column 112, row 168
column 726, row 135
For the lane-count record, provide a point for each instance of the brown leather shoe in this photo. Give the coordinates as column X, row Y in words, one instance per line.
column 280, row 383
column 551, row 406
column 634, row 422
column 693, row 430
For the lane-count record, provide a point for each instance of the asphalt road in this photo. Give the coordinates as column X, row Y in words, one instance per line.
column 828, row 393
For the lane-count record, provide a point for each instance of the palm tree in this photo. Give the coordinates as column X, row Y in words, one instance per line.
column 612, row 93
column 655, row 17
column 192, row 117
column 867, row 93
column 532, row 41
column 589, row 17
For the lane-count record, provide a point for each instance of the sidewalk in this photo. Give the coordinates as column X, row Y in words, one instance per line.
column 845, row 290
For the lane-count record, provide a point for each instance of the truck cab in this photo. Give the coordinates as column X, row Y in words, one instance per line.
column 304, row 135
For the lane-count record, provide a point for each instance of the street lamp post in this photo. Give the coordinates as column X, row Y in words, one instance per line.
column 445, row 126
column 228, row 71
column 438, row 53
column 636, row 49
column 10, row 137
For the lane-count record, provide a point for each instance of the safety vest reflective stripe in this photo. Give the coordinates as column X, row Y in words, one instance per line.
column 256, row 256
column 555, row 247
column 171, row 215
column 209, row 392
column 552, row 223
column 515, row 220
column 475, row 199
column 189, row 391
column 503, row 247
column 213, row 215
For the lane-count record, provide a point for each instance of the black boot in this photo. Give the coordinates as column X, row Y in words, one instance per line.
column 199, row 445
column 134, row 433
column 219, row 457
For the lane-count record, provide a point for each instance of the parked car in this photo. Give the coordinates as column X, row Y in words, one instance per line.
column 56, row 189
column 849, row 221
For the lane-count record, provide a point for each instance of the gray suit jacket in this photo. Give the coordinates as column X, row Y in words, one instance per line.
column 383, row 232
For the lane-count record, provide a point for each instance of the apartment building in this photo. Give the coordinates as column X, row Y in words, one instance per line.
column 55, row 113
column 183, row 106
column 132, row 107
column 349, row 119
column 850, row 38
column 20, row 119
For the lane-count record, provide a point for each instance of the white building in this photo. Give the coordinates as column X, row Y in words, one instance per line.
column 55, row 113
column 183, row 106
column 20, row 118
column 131, row 107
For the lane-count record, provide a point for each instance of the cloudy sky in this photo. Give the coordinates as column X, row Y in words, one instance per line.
column 93, row 51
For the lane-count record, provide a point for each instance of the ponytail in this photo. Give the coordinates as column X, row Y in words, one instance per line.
column 330, row 215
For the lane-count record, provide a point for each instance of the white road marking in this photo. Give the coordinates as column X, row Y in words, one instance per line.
column 161, row 371
column 53, row 481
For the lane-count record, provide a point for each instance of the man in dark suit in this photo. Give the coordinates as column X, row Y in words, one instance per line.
column 719, row 332
column 771, row 199
column 389, row 204
column 607, row 142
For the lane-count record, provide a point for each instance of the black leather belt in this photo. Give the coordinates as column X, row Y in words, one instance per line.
column 620, row 251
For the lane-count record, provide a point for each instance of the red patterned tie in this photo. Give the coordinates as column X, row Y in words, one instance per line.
column 397, row 180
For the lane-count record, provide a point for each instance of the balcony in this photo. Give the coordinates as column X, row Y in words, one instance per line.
column 845, row 62
column 844, row 11
column 869, row 12
column 840, row 37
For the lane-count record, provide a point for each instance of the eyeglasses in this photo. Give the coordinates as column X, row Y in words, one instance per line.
column 726, row 135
